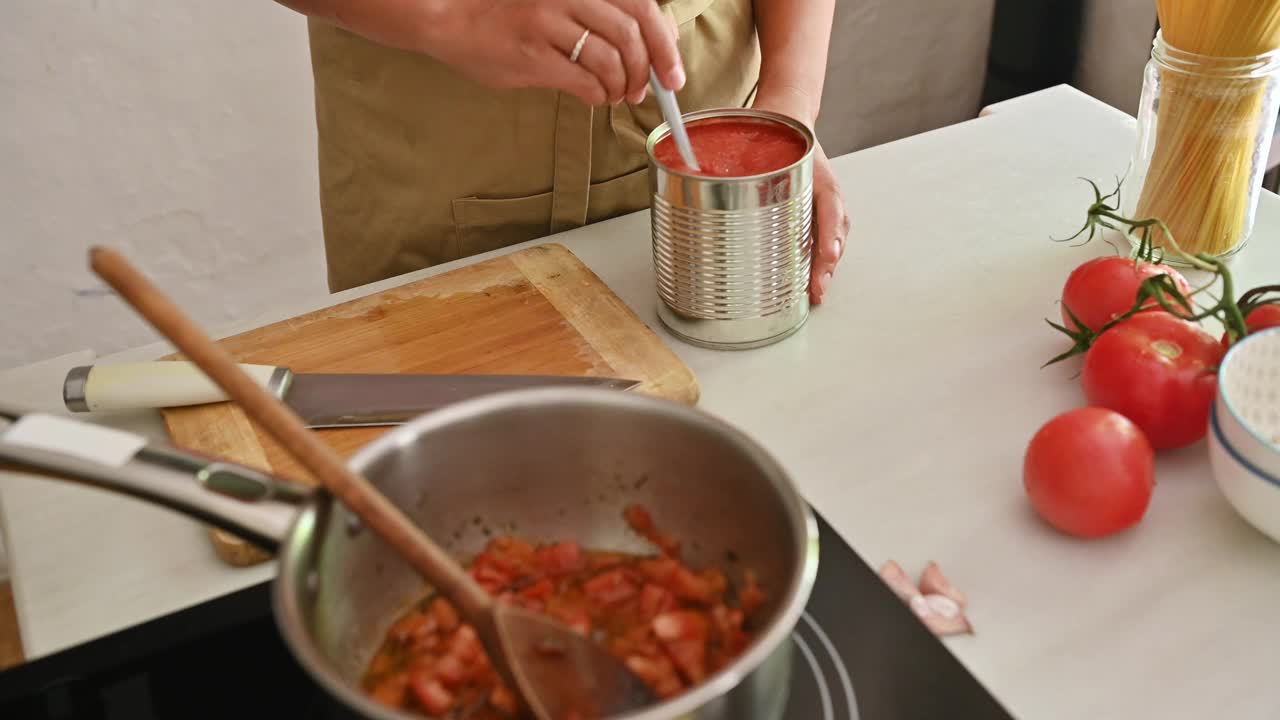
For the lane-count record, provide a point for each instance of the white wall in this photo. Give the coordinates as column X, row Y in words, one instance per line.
column 179, row 132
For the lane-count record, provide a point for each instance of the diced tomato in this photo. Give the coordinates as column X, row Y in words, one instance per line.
column 716, row 580
column 638, row 517
column 433, row 696
column 609, row 588
column 751, row 597
column 680, row 625
column 465, row 644
column 669, row 622
column 728, row 624
column 381, row 665
column 425, row 643
column 642, row 523
column 678, row 579
column 603, row 560
column 503, row 700
column 655, row 600
column 509, row 553
column 688, row 586
column 414, row 625
column 576, row 619
column 446, row 617
column 451, row 670
column 391, row 691
column 491, row 577
column 560, row 559
column 659, row 570
column 540, row 590
column 656, row 672
column 684, row 636
column 581, row 625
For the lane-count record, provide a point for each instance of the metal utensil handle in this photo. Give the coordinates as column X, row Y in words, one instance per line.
column 671, row 113
column 231, row 497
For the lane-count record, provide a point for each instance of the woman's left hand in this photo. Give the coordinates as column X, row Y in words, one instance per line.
column 830, row 216
column 830, row 225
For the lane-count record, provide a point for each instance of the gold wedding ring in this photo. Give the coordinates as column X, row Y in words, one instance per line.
column 577, row 49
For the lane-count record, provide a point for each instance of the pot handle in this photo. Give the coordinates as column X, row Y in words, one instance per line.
column 232, row 497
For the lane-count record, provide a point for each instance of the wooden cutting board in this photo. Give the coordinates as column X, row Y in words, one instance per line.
column 537, row 311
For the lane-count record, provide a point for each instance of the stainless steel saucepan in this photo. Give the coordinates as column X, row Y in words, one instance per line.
column 546, row 464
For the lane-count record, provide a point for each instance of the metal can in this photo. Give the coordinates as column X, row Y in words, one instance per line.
column 731, row 255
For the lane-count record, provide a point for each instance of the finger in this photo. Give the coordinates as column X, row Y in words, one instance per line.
column 602, row 59
column 557, row 73
column 596, row 57
column 659, row 39
column 829, row 222
column 622, row 31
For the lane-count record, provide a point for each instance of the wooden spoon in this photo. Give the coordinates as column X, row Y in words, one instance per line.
column 556, row 672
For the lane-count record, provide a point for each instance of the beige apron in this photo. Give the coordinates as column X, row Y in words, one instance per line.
column 420, row 166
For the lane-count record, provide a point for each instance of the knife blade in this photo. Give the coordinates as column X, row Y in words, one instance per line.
column 322, row 400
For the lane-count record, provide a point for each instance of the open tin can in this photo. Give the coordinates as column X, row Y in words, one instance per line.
column 731, row 255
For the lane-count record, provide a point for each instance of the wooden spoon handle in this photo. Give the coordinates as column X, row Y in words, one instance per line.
column 384, row 518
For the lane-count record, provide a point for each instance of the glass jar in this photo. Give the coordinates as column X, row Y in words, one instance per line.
column 1205, row 126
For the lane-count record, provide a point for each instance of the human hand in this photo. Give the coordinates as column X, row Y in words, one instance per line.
column 528, row 43
column 830, row 226
column 830, row 216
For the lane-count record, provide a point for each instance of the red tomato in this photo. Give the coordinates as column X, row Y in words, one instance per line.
column 657, row 672
column 445, row 616
column 1089, row 472
column 1260, row 318
column 683, row 634
column 502, row 700
column 750, row 597
column 1105, row 287
column 1158, row 371
column 655, row 600
column 560, row 558
column 433, row 697
column 540, row 590
column 609, row 587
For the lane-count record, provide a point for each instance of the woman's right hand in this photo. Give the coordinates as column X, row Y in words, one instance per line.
column 527, row 43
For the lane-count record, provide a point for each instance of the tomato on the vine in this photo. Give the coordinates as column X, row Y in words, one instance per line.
column 1259, row 318
column 1105, row 287
column 1089, row 472
column 1159, row 371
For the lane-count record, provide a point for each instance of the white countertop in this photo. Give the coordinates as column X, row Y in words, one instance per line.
column 902, row 410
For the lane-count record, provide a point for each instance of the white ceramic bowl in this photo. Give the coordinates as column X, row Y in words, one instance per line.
column 1244, row 430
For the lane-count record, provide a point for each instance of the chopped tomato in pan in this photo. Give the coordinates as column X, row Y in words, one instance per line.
column 673, row 626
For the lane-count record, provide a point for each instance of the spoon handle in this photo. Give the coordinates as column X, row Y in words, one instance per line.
column 382, row 517
column 671, row 113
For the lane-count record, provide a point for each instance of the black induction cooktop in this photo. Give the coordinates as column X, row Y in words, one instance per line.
column 861, row 655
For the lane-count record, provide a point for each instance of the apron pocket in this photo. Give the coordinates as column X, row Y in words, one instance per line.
column 485, row 224
column 619, row 196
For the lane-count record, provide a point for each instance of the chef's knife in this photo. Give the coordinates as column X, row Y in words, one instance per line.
column 321, row 400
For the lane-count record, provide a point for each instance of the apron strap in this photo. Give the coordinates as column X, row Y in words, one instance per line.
column 571, row 182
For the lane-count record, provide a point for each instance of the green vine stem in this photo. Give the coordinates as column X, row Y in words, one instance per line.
column 1257, row 297
column 1161, row 288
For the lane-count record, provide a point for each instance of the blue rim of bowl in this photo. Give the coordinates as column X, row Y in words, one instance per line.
column 1226, row 399
column 1235, row 454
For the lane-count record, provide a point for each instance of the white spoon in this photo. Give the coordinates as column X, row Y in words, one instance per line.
column 671, row 113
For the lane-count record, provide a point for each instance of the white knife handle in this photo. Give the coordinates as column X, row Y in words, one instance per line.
column 155, row 385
